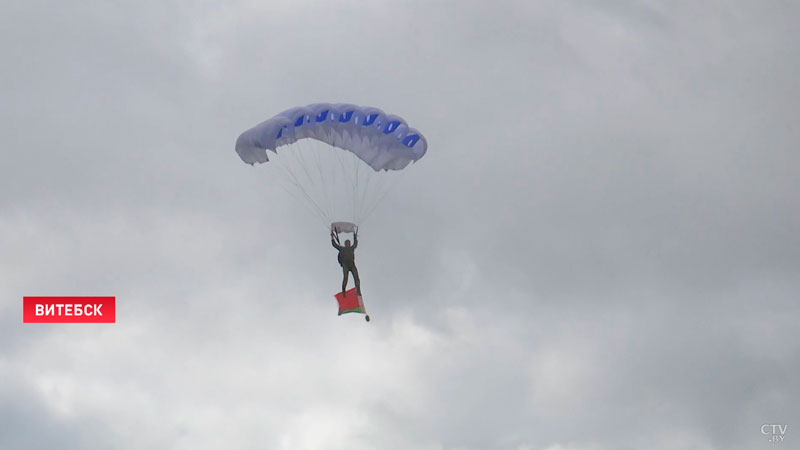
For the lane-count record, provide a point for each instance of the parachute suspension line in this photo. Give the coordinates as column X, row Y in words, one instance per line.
column 355, row 190
column 386, row 190
column 318, row 184
column 318, row 181
column 341, row 157
column 325, row 184
column 310, row 203
column 368, row 174
column 363, row 202
column 292, row 177
column 312, row 183
column 330, row 194
column 294, row 195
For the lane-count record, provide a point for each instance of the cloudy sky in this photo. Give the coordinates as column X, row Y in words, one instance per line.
column 600, row 250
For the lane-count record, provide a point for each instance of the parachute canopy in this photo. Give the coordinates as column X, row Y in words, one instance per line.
column 339, row 160
column 383, row 141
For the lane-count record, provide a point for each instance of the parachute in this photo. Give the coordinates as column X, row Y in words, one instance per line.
column 339, row 160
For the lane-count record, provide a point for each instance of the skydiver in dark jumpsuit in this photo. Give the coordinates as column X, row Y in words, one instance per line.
column 347, row 259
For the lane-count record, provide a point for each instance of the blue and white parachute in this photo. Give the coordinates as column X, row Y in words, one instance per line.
column 383, row 141
column 335, row 158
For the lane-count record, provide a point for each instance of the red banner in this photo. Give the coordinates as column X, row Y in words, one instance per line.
column 69, row 310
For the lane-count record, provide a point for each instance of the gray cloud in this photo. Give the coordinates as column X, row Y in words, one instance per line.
column 599, row 250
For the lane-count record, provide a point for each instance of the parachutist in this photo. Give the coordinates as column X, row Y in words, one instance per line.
column 375, row 142
column 347, row 259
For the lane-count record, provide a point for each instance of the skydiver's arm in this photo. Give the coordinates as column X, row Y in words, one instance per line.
column 355, row 240
column 335, row 245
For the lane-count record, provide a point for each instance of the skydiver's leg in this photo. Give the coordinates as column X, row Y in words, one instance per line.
column 356, row 279
column 346, row 273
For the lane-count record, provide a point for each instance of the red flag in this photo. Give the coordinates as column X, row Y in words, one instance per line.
column 351, row 302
